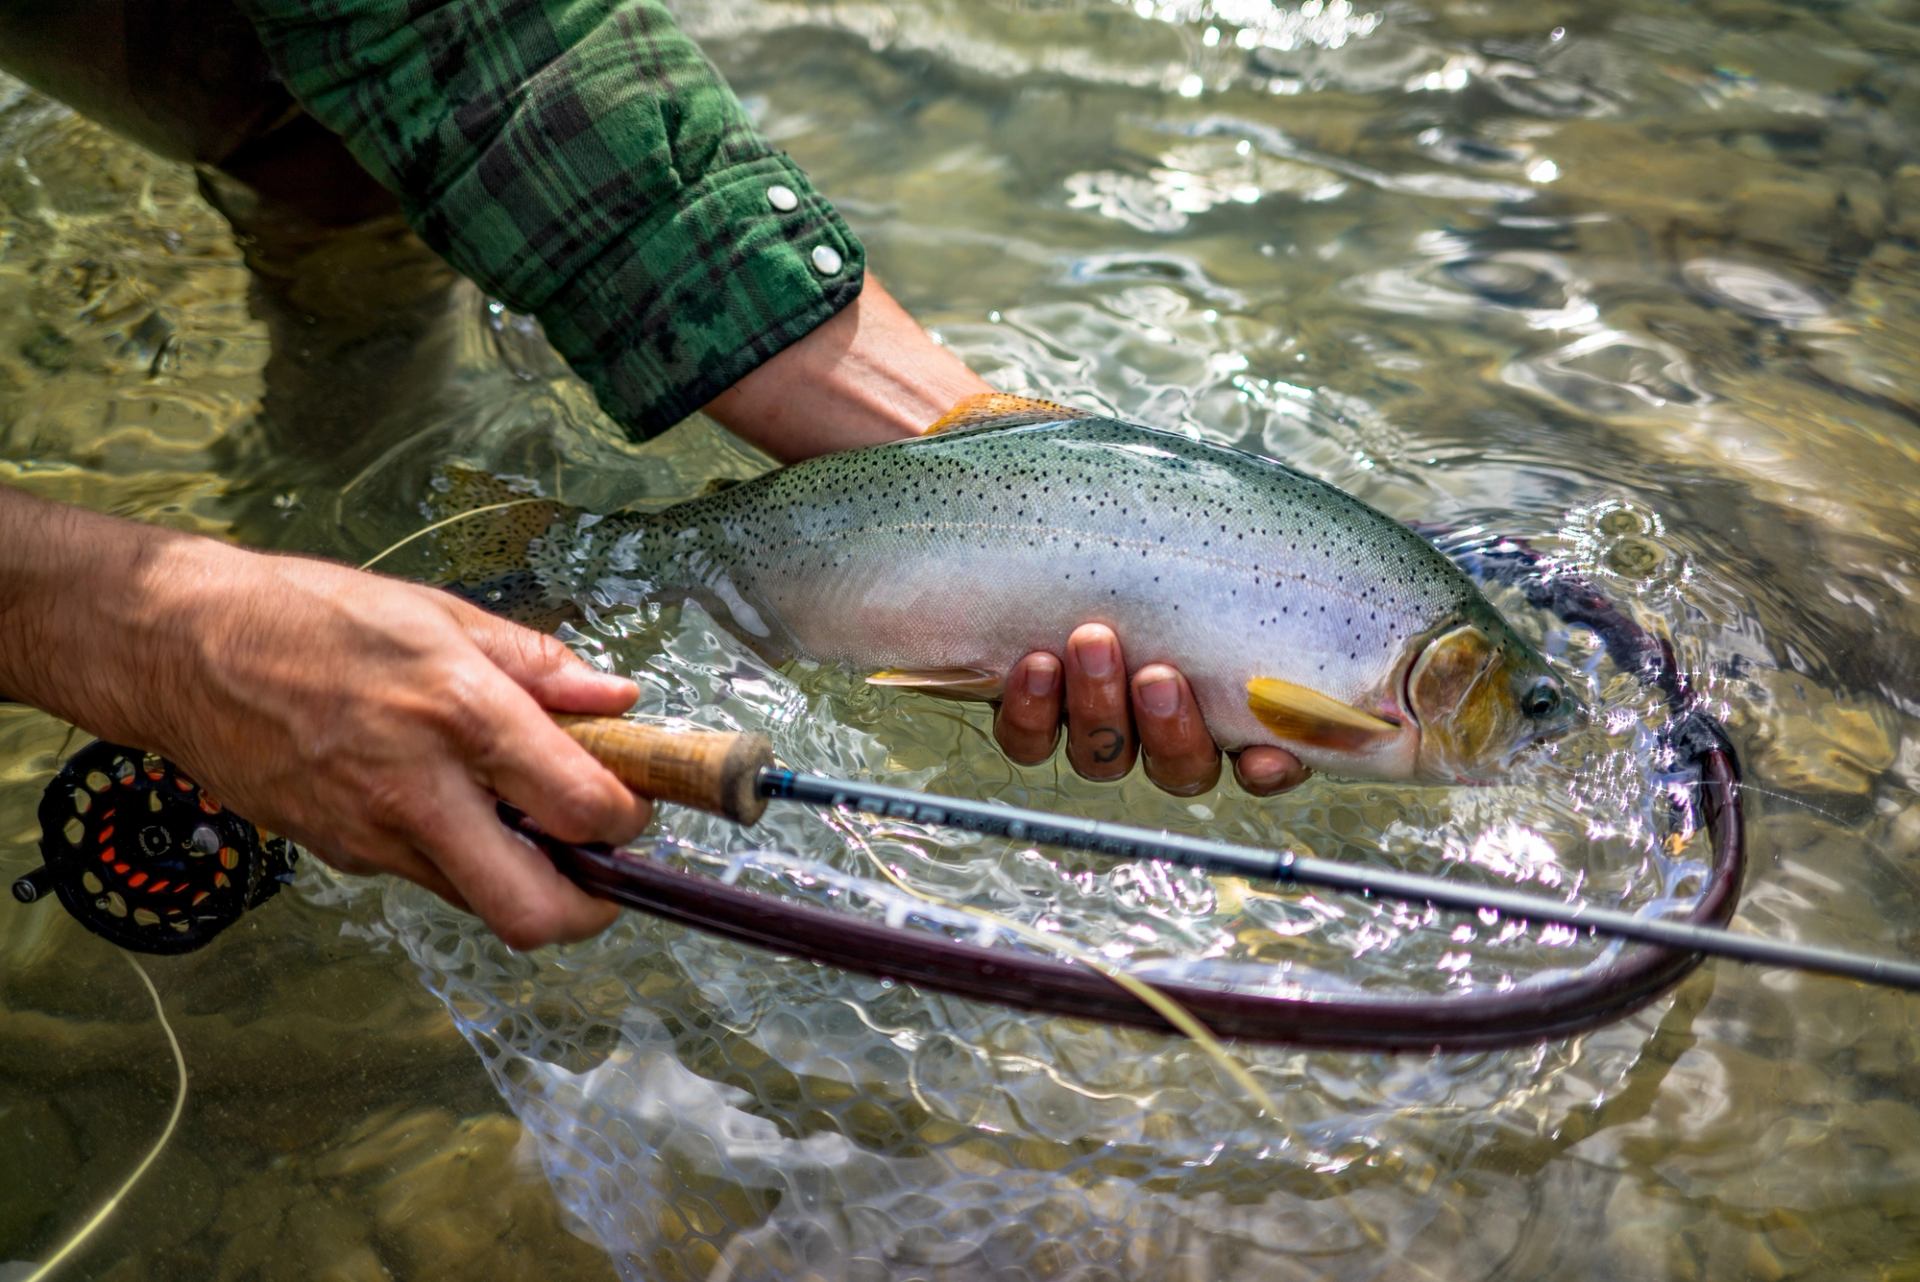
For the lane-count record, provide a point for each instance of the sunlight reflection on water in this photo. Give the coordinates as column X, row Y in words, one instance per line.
column 1638, row 285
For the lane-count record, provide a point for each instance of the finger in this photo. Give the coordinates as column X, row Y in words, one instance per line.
column 1099, row 727
column 544, row 667
column 1027, row 722
column 386, row 855
column 1181, row 756
column 518, row 754
column 510, row 885
column 1265, row 771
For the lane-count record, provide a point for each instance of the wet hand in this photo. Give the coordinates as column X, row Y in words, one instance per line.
column 374, row 722
column 1112, row 718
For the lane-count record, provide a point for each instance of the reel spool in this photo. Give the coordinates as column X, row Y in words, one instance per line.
column 143, row 858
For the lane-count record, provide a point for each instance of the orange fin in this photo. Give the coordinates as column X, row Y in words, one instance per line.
column 999, row 409
column 507, row 518
column 954, row 683
column 1299, row 715
column 486, row 557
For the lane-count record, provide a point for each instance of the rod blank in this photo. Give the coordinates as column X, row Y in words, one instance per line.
column 731, row 775
column 1123, row 842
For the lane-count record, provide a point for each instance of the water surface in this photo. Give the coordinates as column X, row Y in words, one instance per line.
column 1641, row 284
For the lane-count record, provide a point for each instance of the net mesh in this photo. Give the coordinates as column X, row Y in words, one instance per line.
column 709, row 1110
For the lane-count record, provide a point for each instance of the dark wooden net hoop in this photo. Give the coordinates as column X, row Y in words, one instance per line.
column 1528, row 1011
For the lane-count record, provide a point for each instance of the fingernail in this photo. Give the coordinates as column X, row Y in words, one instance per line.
column 1096, row 658
column 1160, row 695
column 1279, row 775
column 1043, row 675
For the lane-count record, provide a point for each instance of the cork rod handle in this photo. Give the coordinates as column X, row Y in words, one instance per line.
column 711, row 770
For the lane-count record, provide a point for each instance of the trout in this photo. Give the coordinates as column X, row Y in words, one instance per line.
column 1300, row 616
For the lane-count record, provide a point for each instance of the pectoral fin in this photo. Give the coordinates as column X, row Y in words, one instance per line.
column 954, row 683
column 998, row 409
column 1299, row 715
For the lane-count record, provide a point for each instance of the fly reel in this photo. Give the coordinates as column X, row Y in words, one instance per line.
column 145, row 859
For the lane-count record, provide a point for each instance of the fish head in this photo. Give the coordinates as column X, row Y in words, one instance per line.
column 1481, row 695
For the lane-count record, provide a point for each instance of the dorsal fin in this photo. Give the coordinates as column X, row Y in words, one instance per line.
column 1001, row 409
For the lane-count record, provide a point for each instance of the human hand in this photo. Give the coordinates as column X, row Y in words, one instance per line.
column 371, row 721
column 1111, row 719
column 374, row 722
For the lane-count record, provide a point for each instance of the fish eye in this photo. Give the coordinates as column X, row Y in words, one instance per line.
column 1542, row 699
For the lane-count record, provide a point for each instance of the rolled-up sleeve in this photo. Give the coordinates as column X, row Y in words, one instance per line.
column 584, row 162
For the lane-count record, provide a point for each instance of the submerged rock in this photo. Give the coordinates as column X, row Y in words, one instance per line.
column 1805, row 738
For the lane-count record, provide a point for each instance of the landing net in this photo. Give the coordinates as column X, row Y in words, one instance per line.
column 711, row 1109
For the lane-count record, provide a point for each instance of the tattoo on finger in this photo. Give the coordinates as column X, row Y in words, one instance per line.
column 1108, row 744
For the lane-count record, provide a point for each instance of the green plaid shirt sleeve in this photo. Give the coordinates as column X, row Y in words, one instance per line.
column 583, row 161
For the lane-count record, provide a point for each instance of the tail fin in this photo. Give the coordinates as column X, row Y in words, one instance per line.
column 488, row 541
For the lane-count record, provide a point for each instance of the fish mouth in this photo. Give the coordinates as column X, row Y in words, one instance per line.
column 1511, row 758
column 1538, row 745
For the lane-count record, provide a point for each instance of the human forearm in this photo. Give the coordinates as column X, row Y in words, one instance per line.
column 869, row 375
column 70, row 602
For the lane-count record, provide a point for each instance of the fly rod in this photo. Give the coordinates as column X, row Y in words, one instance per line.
column 186, row 867
column 734, row 775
